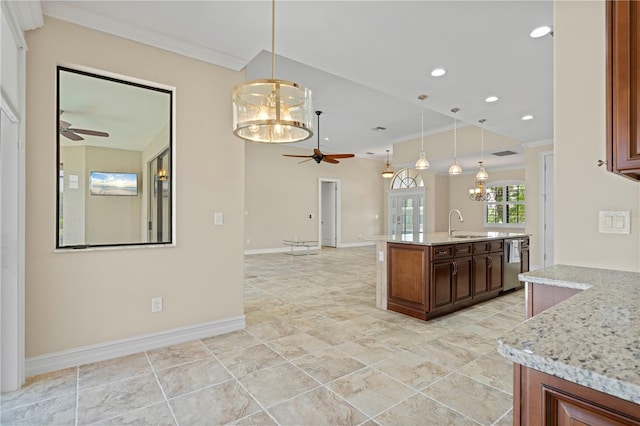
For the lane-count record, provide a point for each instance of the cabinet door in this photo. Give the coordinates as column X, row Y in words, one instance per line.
column 462, row 278
column 495, row 271
column 524, row 260
column 406, row 277
column 480, row 274
column 623, row 88
column 441, row 286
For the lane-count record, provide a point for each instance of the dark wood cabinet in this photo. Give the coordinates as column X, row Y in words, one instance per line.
column 524, row 255
column 407, row 273
column 429, row 281
column 549, row 400
column 623, row 88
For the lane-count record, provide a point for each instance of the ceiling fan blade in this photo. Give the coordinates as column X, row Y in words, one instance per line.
column 317, row 152
column 340, row 155
column 304, row 161
column 330, row 160
column 89, row 132
column 70, row 135
column 64, row 125
column 297, row 156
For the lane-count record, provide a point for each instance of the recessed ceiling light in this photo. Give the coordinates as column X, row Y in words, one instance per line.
column 527, row 117
column 491, row 99
column 438, row 72
column 326, row 139
column 540, row 32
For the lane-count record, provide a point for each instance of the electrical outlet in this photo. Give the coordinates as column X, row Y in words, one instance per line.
column 380, row 256
column 156, row 304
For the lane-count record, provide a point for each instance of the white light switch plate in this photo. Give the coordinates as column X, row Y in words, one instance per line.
column 218, row 218
column 615, row 222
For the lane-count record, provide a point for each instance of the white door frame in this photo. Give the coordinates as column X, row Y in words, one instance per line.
column 338, row 210
column 12, row 286
column 544, row 244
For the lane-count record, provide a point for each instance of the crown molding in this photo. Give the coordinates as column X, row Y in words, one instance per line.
column 76, row 15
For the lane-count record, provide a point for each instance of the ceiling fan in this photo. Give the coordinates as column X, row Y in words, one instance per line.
column 318, row 156
column 74, row 134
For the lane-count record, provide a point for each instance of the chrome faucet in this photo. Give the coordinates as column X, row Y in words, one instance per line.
column 459, row 217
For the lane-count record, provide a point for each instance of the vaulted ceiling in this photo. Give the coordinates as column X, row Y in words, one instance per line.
column 365, row 61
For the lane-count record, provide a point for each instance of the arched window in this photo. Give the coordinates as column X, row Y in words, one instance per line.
column 406, row 178
column 508, row 208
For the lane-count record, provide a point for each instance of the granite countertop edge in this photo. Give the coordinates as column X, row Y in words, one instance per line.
column 442, row 238
column 598, row 347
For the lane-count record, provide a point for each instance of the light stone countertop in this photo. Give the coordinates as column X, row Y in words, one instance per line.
column 440, row 238
column 592, row 338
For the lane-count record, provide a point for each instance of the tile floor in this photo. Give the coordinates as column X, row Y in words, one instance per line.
column 315, row 351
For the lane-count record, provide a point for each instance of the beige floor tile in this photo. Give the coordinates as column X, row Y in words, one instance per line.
column 297, row 345
column 478, row 401
column 468, row 340
column 445, row 354
column 335, row 334
column 271, row 329
column 192, row 376
column 421, row 410
column 491, row 369
column 369, row 349
column 328, row 365
column 370, row 391
column 317, row 407
column 260, row 418
column 506, row 420
column 41, row 387
column 277, row 384
column 54, row 411
column 154, row 415
column 214, row 405
column 177, row 354
column 412, row 370
column 113, row 370
column 230, row 342
column 113, row 399
column 249, row 360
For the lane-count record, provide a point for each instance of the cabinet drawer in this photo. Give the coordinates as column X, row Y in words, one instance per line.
column 481, row 247
column 441, row 252
column 496, row 245
column 460, row 250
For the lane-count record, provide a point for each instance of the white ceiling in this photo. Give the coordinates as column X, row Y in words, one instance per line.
column 365, row 61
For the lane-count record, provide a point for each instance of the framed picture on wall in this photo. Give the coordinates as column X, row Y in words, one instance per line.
column 113, row 183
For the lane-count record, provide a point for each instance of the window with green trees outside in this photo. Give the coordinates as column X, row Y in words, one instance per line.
column 508, row 207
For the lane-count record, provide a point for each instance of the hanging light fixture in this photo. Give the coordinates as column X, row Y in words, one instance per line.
column 455, row 168
column 387, row 172
column 479, row 193
column 270, row 110
column 422, row 163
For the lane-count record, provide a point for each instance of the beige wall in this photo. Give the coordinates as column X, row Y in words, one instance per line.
column 81, row 298
column 280, row 194
column 581, row 188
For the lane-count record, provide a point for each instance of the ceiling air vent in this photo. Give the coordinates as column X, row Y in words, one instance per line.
column 503, row 153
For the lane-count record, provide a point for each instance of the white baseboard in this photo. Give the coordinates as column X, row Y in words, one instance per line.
column 359, row 244
column 117, row 348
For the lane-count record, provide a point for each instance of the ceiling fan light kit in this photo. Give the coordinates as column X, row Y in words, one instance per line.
column 422, row 163
column 270, row 110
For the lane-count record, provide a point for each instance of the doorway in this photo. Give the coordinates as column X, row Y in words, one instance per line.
column 329, row 208
column 406, row 213
column 547, row 224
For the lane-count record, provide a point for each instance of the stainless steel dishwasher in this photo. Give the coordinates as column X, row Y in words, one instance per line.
column 512, row 252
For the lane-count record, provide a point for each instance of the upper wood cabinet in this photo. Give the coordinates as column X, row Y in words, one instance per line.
column 623, row 88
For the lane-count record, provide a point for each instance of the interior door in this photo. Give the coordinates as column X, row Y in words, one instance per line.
column 406, row 214
column 548, row 222
column 329, row 213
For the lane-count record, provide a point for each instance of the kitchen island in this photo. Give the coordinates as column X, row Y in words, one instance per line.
column 577, row 357
column 428, row 275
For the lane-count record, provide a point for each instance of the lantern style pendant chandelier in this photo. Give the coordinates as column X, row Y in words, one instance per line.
column 422, row 163
column 270, row 110
column 479, row 193
column 387, row 172
column 455, row 168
